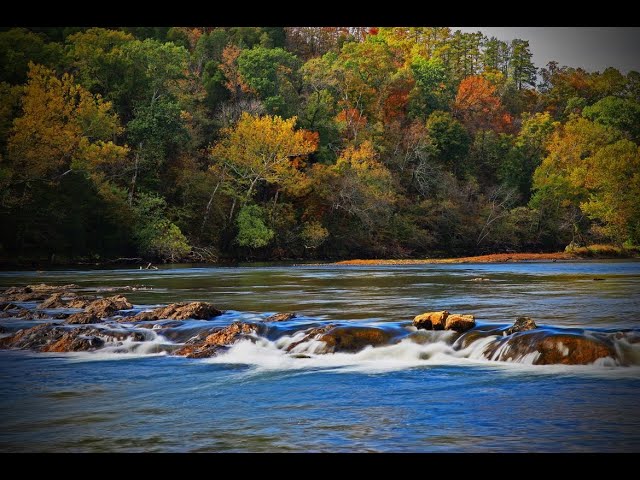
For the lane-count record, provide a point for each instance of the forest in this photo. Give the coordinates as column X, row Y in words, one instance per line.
column 223, row 144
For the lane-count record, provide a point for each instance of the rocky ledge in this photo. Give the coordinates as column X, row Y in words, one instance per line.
column 75, row 322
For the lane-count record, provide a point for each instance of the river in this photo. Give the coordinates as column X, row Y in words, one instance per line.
column 401, row 398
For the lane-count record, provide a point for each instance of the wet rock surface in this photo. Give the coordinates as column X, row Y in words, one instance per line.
column 212, row 342
column 107, row 307
column 431, row 320
column 444, row 321
column 521, row 324
column 280, row 317
column 82, row 319
column 354, row 339
column 178, row 311
column 311, row 334
column 460, row 323
column 546, row 348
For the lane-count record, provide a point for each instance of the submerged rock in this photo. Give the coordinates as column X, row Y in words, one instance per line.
column 73, row 341
column 212, row 342
column 311, row 334
column 460, row 323
column 431, row 320
column 178, row 311
column 56, row 338
column 82, row 318
column 354, row 339
column 521, row 324
column 572, row 350
column 107, row 307
column 280, row 317
column 549, row 348
column 34, row 292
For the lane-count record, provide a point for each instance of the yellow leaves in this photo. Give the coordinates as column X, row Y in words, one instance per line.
column 61, row 123
column 264, row 148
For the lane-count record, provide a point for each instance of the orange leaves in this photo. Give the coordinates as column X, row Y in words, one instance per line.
column 351, row 116
column 478, row 105
column 229, row 66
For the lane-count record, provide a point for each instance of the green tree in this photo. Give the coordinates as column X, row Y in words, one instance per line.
column 620, row 113
column 18, row 47
column 272, row 74
column 157, row 236
column 450, row 140
column 521, row 69
column 252, row 231
column 518, row 166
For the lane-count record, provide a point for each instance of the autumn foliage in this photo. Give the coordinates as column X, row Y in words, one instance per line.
column 479, row 107
column 202, row 144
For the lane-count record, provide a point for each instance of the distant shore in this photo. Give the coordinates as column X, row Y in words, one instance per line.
column 491, row 258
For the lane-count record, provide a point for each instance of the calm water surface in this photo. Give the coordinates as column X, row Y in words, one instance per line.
column 256, row 399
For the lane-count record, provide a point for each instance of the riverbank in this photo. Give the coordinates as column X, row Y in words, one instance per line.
column 602, row 252
column 491, row 258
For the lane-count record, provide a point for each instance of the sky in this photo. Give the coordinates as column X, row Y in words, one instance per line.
column 592, row 48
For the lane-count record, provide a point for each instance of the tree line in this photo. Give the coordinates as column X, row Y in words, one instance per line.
column 204, row 144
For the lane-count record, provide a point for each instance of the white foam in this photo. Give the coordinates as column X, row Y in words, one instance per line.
column 124, row 349
column 266, row 355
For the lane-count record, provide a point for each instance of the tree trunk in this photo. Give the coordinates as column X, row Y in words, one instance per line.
column 206, row 213
column 132, row 188
column 233, row 207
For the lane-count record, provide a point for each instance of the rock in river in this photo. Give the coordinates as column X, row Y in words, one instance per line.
column 549, row 348
column 178, row 311
column 57, row 338
column 107, row 307
column 211, row 342
column 460, row 323
column 354, row 339
column 82, row 318
column 521, row 324
column 431, row 320
column 280, row 317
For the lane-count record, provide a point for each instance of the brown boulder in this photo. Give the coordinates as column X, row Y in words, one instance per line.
column 24, row 297
column 74, row 342
column 280, row 317
column 572, row 350
column 178, row 311
column 311, row 334
column 56, row 338
column 521, row 324
column 82, row 318
column 431, row 320
column 107, row 307
column 54, row 301
column 565, row 349
column 460, row 323
column 210, row 343
column 354, row 339
column 231, row 333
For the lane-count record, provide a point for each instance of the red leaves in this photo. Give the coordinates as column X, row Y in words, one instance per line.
column 478, row 106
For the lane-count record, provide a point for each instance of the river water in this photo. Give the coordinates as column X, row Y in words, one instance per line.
column 404, row 397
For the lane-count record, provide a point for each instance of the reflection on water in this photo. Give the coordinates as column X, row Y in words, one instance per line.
column 54, row 402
